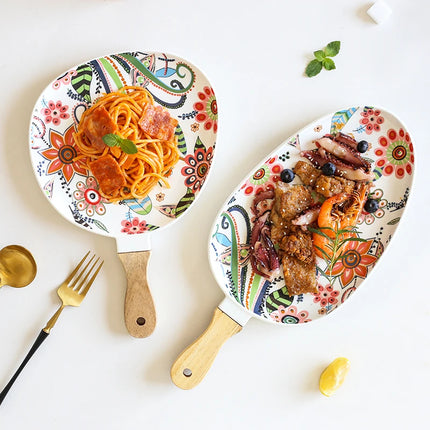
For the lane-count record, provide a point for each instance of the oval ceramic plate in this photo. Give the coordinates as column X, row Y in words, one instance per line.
column 176, row 85
column 392, row 159
column 248, row 294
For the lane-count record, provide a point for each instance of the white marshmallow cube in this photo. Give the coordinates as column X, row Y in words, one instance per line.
column 379, row 12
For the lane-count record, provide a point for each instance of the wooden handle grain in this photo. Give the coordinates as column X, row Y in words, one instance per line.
column 139, row 310
column 191, row 366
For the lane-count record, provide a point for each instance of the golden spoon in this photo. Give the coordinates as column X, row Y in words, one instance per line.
column 17, row 266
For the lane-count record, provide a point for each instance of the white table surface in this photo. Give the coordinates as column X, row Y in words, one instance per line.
column 90, row 374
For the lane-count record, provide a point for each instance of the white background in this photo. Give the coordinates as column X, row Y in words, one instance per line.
column 90, row 374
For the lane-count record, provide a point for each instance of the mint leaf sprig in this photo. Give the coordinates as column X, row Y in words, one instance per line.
column 322, row 59
column 112, row 139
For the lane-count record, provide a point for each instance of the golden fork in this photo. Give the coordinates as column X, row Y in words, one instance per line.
column 71, row 292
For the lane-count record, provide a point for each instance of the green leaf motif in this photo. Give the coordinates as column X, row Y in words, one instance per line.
column 319, row 55
column 185, row 202
column 199, row 145
column 328, row 64
column 152, row 227
column 278, row 298
column 313, row 68
column 82, row 80
column 100, row 225
column 340, row 118
column 394, row 221
column 332, row 49
column 141, row 207
column 182, row 145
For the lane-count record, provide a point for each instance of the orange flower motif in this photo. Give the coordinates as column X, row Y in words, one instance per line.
column 355, row 261
column 62, row 155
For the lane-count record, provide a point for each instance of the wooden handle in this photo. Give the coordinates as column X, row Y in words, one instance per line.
column 191, row 366
column 139, row 310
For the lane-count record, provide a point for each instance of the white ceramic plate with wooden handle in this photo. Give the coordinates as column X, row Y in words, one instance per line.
column 186, row 93
column 249, row 295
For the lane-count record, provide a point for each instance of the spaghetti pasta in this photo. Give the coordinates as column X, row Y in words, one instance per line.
column 129, row 113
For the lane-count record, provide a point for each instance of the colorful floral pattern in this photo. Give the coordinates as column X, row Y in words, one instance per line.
column 207, row 109
column 197, row 167
column 326, row 295
column 134, row 226
column 176, row 84
column 89, row 198
column 63, row 80
column 395, row 153
column 355, row 261
column 55, row 112
column 270, row 300
column 62, row 155
column 290, row 315
column 372, row 120
column 369, row 218
column 263, row 178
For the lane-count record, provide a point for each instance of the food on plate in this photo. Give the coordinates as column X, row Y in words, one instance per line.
column 264, row 258
column 338, row 213
column 371, row 205
column 129, row 143
column 333, row 376
column 293, row 243
column 287, row 175
column 293, row 224
column 362, row 146
column 325, row 185
column 340, row 150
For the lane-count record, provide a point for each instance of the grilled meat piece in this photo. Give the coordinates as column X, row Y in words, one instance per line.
column 298, row 243
column 290, row 201
column 328, row 186
column 300, row 277
column 307, row 173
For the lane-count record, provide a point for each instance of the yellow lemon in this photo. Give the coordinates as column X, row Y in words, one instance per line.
column 333, row 376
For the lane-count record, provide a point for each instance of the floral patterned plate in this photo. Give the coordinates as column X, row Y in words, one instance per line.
column 175, row 84
column 248, row 294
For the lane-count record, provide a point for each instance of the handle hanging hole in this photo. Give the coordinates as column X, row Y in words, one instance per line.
column 141, row 321
column 187, row 372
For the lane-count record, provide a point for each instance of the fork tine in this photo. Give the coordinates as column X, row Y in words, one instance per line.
column 90, row 282
column 80, row 274
column 87, row 273
column 76, row 269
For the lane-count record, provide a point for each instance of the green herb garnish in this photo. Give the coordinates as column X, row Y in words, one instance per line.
column 322, row 59
column 334, row 246
column 128, row 146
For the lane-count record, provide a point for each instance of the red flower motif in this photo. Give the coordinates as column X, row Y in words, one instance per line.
column 354, row 262
column 290, row 315
column 55, row 112
column 372, row 119
column 134, row 226
column 207, row 109
column 263, row 178
column 326, row 295
column 62, row 155
column 197, row 167
column 395, row 153
column 89, row 198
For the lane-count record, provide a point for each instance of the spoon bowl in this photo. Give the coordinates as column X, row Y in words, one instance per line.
column 17, row 266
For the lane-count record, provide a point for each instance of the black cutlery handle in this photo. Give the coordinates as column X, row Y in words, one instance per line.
column 42, row 336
